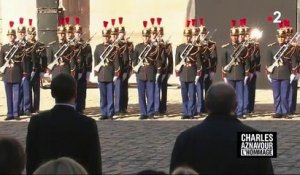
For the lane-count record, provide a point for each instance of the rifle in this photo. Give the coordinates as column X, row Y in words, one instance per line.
column 9, row 58
column 143, row 55
column 186, row 52
column 281, row 52
column 59, row 54
column 104, row 56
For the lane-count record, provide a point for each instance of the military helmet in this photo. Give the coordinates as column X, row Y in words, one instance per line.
column 121, row 28
column 153, row 28
column 105, row 31
column 145, row 31
column 202, row 28
column 77, row 26
column 11, row 30
column 31, row 29
column 187, row 31
column 234, row 30
column 287, row 26
column 159, row 27
column 281, row 32
column 195, row 29
column 21, row 27
column 243, row 29
column 61, row 28
column 114, row 30
column 68, row 26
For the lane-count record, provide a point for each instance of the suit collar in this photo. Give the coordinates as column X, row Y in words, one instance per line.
column 64, row 107
column 216, row 117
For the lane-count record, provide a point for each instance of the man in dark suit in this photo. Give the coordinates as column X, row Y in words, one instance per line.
column 211, row 147
column 62, row 132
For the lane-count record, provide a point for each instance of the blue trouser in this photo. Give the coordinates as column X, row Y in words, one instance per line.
column 25, row 96
column 12, row 91
column 81, row 93
column 280, row 94
column 293, row 97
column 188, row 94
column 146, row 88
column 246, row 97
column 252, row 90
column 117, row 94
column 164, row 94
column 238, row 85
column 157, row 95
column 35, row 85
column 124, row 93
column 200, row 100
column 106, row 98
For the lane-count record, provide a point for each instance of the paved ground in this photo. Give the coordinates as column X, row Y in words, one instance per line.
column 129, row 145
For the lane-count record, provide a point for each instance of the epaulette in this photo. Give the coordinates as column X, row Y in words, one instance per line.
column 272, row 44
column 51, row 43
column 225, row 45
column 212, row 42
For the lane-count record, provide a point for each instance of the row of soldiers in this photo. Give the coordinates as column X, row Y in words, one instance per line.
column 152, row 61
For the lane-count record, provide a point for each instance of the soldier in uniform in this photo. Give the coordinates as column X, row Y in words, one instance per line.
column 199, row 77
column 292, row 100
column 167, row 68
column 114, row 33
column 126, row 52
column 147, row 66
column 61, row 49
column 238, row 72
column 25, row 91
column 107, row 73
column 279, row 76
column 37, row 50
column 253, row 55
column 189, row 73
column 83, row 65
column 161, row 56
column 210, row 58
column 12, row 74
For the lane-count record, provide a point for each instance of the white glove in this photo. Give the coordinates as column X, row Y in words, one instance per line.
column 156, row 78
column 245, row 80
column 197, row 79
column 211, row 75
column 32, row 75
column 115, row 78
column 269, row 78
column 88, row 76
column 225, row 80
column 42, row 74
column 292, row 78
column 250, row 76
column 297, row 76
column 23, row 79
column 205, row 76
column 79, row 76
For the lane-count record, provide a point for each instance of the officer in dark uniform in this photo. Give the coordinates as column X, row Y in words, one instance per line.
column 189, row 73
column 254, row 56
column 107, row 73
column 292, row 100
column 12, row 74
column 161, row 57
column 147, row 66
column 238, row 73
column 114, row 33
column 64, row 61
column 25, row 91
column 199, row 77
column 279, row 76
column 167, row 68
column 83, row 60
column 37, row 50
column 126, row 50
column 210, row 58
